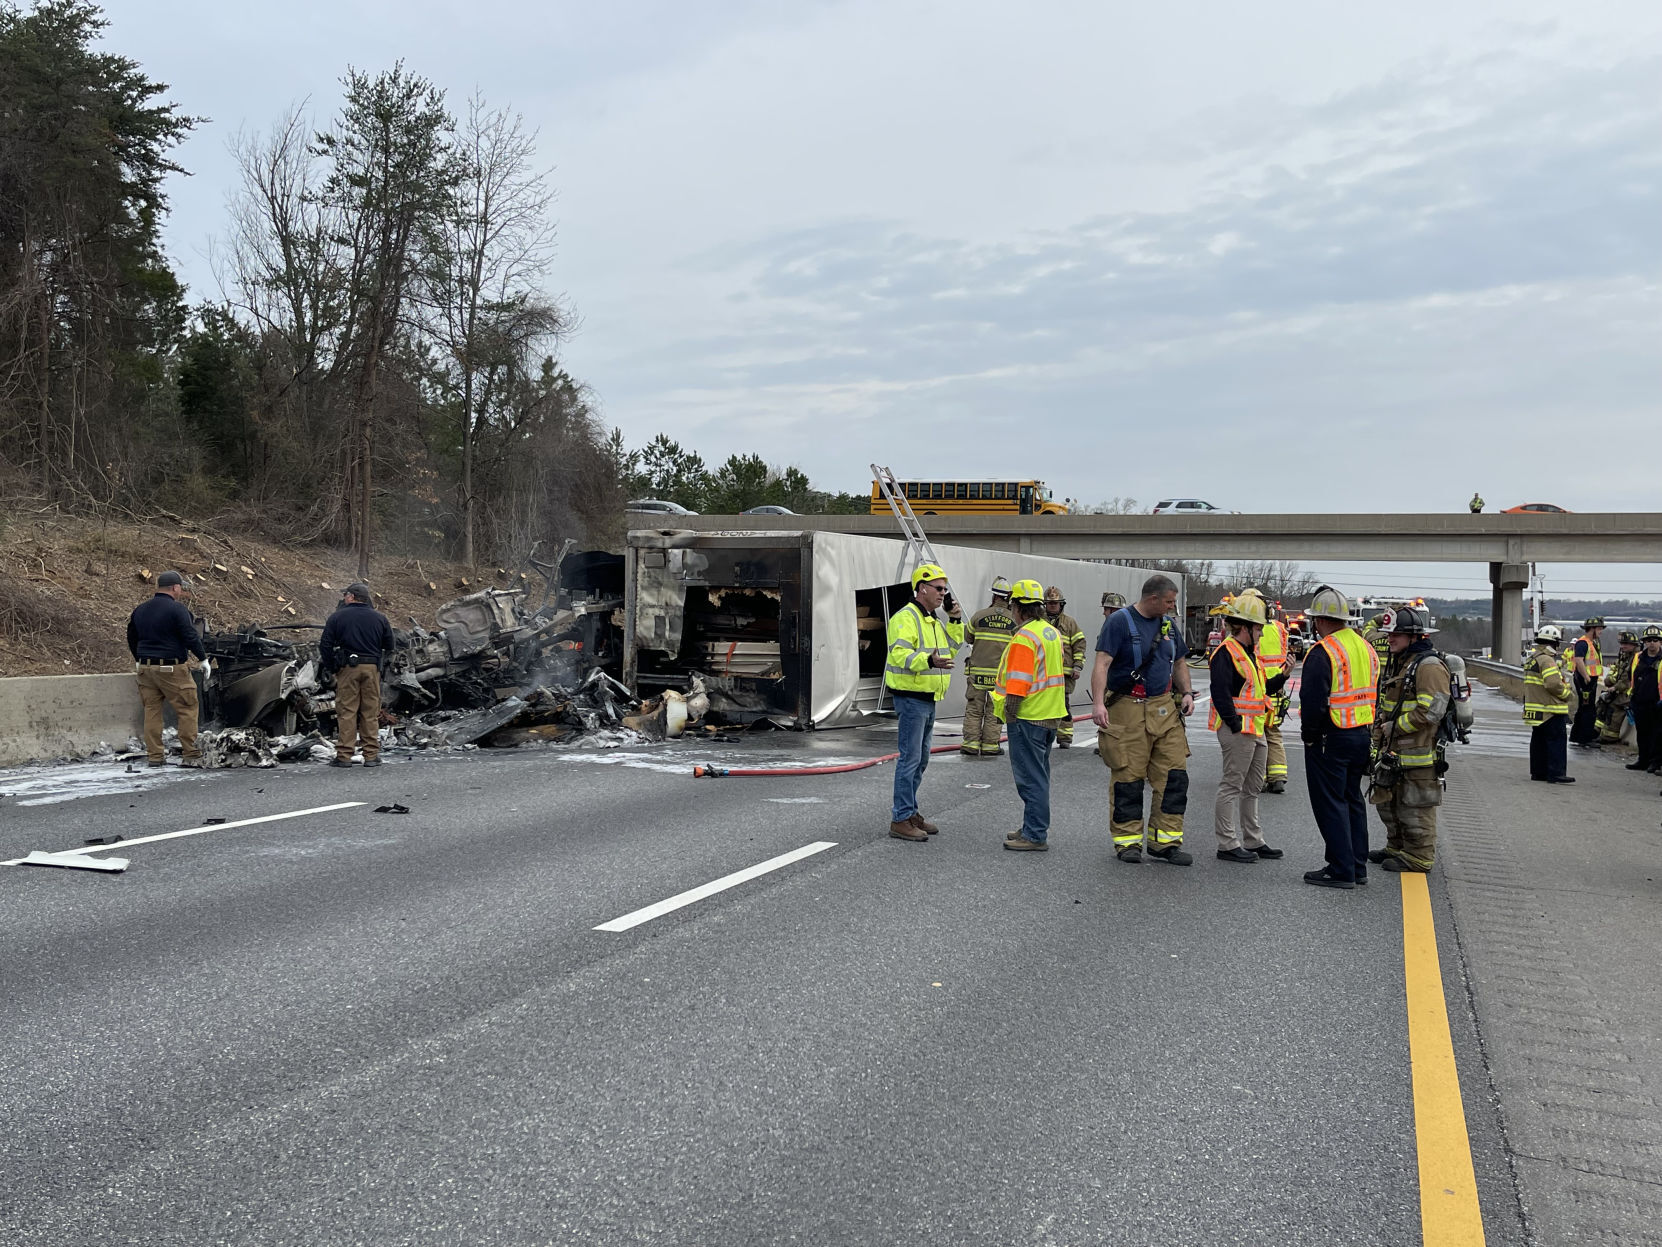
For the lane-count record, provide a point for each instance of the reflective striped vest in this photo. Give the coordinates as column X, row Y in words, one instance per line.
column 913, row 639
column 1272, row 648
column 1541, row 700
column 1034, row 669
column 1354, row 692
column 1594, row 659
column 1250, row 703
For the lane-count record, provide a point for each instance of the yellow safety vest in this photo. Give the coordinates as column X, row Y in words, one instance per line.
column 914, row 638
column 1354, row 692
column 1272, row 649
column 1046, row 695
column 1250, row 703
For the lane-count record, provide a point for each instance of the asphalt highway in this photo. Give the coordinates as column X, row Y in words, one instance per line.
column 383, row 1028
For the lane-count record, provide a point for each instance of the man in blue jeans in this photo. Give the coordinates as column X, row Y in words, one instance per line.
column 1031, row 696
column 917, row 670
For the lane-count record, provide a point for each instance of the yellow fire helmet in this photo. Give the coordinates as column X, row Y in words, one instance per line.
column 1248, row 608
column 927, row 571
column 1029, row 592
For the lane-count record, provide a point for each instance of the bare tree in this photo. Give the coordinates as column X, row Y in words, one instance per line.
column 1116, row 506
column 391, row 180
column 487, row 310
column 1276, row 579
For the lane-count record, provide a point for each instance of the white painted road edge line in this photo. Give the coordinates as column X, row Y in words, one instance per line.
column 124, row 845
column 718, row 885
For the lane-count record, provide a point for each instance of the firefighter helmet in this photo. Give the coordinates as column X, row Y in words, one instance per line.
column 1549, row 634
column 1596, row 621
column 927, row 571
column 1628, row 638
column 1001, row 587
column 1412, row 621
column 1247, row 609
column 1054, row 594
column 1027, row 592
column 1112, row 599
column 1653, row 633
column 1328, row 603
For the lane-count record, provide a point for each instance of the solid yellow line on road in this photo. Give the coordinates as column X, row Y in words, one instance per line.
column 1449, row 1213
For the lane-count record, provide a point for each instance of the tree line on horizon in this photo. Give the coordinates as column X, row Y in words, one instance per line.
column 380, row 366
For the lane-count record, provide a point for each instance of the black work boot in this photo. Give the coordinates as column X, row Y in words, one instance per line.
column 1132, row 853
column 1237, row 854
column 1325, row 878
column 1172, row 855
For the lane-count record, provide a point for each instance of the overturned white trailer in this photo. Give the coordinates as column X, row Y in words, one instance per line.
column 791, row 626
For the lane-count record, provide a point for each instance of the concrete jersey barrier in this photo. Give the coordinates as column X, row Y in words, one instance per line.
column 48, row 716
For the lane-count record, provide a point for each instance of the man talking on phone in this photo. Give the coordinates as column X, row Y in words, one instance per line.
column 917, row 671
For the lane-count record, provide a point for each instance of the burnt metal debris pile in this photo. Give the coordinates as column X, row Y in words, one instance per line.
column 498, row 669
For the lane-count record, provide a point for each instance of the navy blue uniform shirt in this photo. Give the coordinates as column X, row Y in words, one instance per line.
column 162, row 628
column 1116, row 641
column 355, row 628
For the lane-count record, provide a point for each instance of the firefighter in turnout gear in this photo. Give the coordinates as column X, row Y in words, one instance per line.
column 1547, row 695
column 987, row 634
column 1414, row 694
column 1073, row 651
column 1140, row 695
column 1030, row 696
column 1586, row 661
column 1611, row 712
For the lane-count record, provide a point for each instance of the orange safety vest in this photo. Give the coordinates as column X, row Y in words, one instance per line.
column 1250, row 703
column 1355, row 688
column 1595, row 658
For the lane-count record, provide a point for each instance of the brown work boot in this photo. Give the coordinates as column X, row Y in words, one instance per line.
column 923, row 824
column 905, row 831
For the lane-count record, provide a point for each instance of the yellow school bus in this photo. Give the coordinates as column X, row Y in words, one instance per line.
column 973, row 498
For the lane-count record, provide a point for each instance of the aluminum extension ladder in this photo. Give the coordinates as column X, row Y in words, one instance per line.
column 918, row 549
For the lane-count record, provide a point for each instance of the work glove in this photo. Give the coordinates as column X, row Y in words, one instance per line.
column 207, row 667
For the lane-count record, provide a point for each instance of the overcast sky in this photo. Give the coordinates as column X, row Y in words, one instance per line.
column 1285, row 256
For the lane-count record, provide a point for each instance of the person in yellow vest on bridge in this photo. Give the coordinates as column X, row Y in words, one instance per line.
column 917, row 671
column 1031, row 697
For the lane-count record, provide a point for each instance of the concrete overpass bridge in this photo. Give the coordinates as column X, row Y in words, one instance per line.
column 1507, row 543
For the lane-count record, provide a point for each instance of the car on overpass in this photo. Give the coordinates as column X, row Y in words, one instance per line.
column 658, row 505
column 1536, row 508
column 1189, row 506
column 767, row 508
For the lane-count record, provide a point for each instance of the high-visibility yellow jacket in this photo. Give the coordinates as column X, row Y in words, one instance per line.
column 913, row 639
column 1546, row 691
column 1034, row 670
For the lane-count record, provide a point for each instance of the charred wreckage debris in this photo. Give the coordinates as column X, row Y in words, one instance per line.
column 497, row 670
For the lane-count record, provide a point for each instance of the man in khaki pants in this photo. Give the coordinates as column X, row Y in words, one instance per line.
column 354, row 640
column 161, row 637
column 1139, row 696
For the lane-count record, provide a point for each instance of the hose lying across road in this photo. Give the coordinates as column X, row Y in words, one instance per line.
column 749, row 772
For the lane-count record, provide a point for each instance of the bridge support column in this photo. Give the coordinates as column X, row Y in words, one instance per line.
column 1509, row 580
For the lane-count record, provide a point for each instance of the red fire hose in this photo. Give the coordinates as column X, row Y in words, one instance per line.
column 747, row 772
